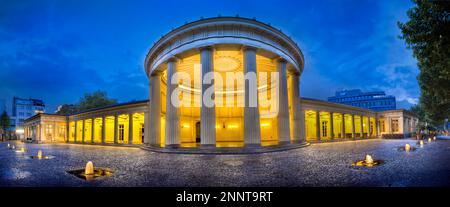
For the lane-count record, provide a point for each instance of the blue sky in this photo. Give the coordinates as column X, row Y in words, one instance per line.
column 58, row 50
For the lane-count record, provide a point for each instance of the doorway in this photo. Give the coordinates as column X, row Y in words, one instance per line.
column 197, row 132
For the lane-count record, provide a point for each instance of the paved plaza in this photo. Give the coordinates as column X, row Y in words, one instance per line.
column 326, row 164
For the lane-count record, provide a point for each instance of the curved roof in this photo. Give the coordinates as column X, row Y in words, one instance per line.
column 224, row 30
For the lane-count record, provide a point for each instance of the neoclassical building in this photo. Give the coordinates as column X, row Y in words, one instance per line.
column 220, row 46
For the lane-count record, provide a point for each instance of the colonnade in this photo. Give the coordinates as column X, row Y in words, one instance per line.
column 252, row 130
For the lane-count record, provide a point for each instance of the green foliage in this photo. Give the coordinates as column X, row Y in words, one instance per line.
column 88, row 101
column 67, row 109
column 427, row 33
column 5, row 122
column 94, row 100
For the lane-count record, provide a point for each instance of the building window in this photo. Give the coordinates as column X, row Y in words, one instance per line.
column 121, row 131
column 382, row 126
column 324, row 128
column 394, row 125
column 48, row 132
column 142, row 132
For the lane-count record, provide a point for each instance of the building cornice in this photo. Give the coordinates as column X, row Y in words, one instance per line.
column 224, row 30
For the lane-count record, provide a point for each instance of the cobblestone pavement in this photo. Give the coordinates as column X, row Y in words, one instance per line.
column 326, row 164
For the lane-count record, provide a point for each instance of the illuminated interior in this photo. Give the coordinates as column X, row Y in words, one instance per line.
column 310, row 125
column 109, row 129
column 71, row 131
column 337, row 125
column 138, row 128
column 358, row 126
column 373, row 127
column 229, row 110
column 98, row 130
column 122, row 128
column 79, row 131
column 87, row 130
column 365, row 126
column 348, row 126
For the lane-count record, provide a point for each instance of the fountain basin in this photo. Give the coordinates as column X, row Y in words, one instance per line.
column 367, row 162
column 421, row 143
column 47, row 157
column 408, row 148
column 98, row 172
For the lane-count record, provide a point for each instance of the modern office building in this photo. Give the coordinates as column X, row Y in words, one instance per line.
column 375, row 100
column 221, row 45
column 22, row 109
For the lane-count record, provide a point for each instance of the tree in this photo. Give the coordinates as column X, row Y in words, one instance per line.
column 88, row 101
column 94, row 100
column 67, row 109
column 427, row 33
column 5, row 123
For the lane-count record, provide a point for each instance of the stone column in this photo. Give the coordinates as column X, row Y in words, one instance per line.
column 369, row 127
column 75, row 132
column 146, row 129
column 172, row 112
column 343, row 126
column 331, row 126
column 103, row 129
column 92, row 130
column 361, row 118
column 207, row 113
column 401, row 129
column 83, row 130
column 297, row 115
column 130, row 128
column 155, row 111
column 377, row 126
column 116, row 127
column 389, row 125
column 284, row 134
column 353, row 126
column 318, row 125
column 55, row 133
column 252, row 128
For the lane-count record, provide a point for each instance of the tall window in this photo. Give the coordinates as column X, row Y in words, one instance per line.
column 394, row 125
column 324, row 128
column 121, row 131
column 382, row 126
column 141, row 134
column 48, row 131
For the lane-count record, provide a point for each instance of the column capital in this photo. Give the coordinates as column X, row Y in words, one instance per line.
column 281, row 60
column 172, row 59
column 247, row 47
column 207, row 47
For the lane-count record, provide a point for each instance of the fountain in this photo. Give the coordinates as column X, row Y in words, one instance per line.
column 89, row 172
column 434, row 138
column 9, row 146
column 21, row 150
column 407, row 148
column 40, row 156
column 89, row 169
column 369, row 159
column 367, row 162
column 13, row 147
column 421, row 143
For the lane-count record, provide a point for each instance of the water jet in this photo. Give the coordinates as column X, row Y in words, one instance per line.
column 367, row 162
column 90, row 173
column 407, row 148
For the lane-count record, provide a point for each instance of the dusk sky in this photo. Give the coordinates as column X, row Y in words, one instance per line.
column 59, row 50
